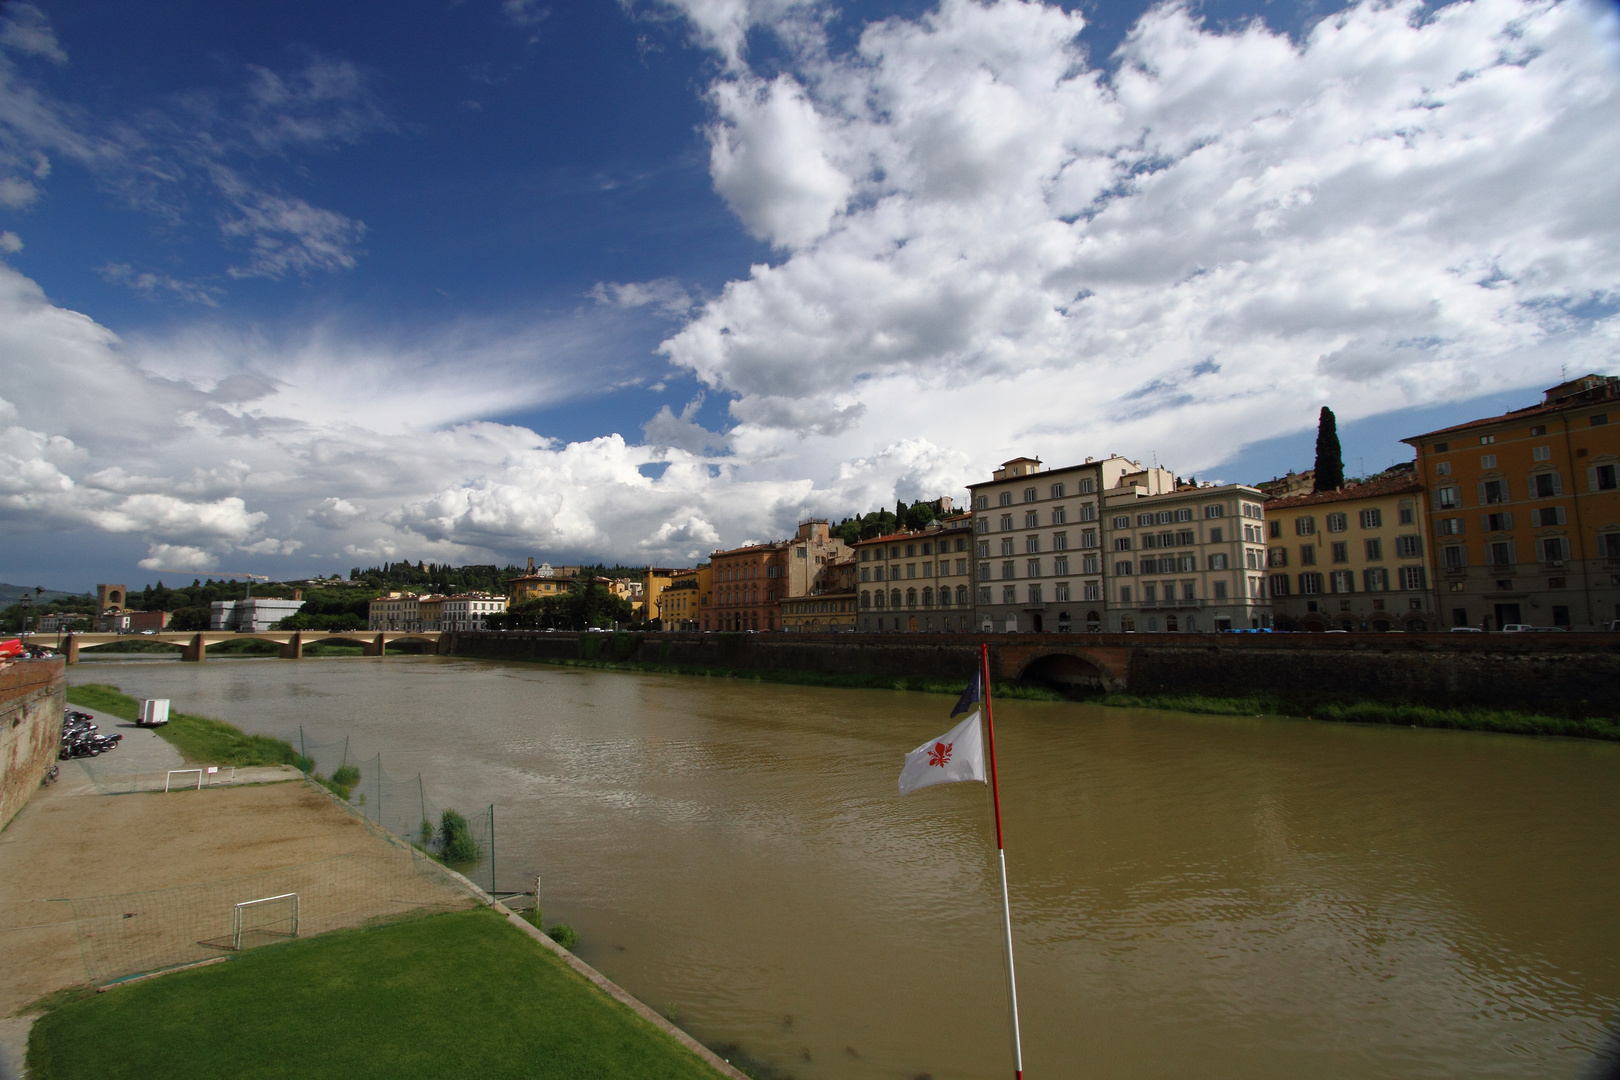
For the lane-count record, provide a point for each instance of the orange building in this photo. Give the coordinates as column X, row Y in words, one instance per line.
column 747, row 586
column 1524, row 511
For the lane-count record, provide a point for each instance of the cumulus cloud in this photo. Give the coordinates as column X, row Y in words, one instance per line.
column 177, row 557
column 666, row 294
column 1407, row 205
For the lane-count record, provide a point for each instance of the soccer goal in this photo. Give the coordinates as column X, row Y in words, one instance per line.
column 169, row 779
column 269, row 917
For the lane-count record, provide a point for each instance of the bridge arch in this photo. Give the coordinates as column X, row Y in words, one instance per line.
column 1067, row 670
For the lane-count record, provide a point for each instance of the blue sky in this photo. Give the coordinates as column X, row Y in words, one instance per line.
column 292, row 288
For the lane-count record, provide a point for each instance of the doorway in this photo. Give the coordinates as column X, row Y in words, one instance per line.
column 1506, row 615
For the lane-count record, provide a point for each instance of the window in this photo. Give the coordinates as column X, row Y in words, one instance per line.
column 1005, row 498
column 1279, row 584
column 1554, row 549
column 1006, row 523
column 981, row 502
column 1035, row 594
column 1487, row 461
column 1307, row 554
column 1122, row 543
column 911, row 598
column 1214, row 511
column 1407, row 515
column 927, row 549
column 1277, row 556
column 1337, row 522
column 1546, row 485
column 984, row 549
column 1375, row 579
column 1218, row 562
column 1408, row 547
column 1032, row 519
column 1454, row 558
column 1009, row 594
column 1496, row 522
column 1609, row 545
column 1602, row 478
column 1009, row 570
column 1032, row 544
column 984, row 594
column 962, row 595
column 1088, row 538
column 866, row 574
column 1341, row 551
column 1164, row 517
column 1304, row 526
column 1441, row 447
column 1541, row 453
column 1060, row 516
column 1122, row 569
column 984, row 571
column 911, row 551
column 1375, row 550
column 928, row 597
column 1411, row 578
column 1184, row 514
column 1310, row 584
column 1057, row 491
column 982, row 525
column 1254, row 558
column 1493, row 491
column 1088, row 512
column 1091, row 564
column 1220, row 590
column 1150, row 592
column 1086, row 486
column 1060, row 565
column 1060, row 541
column 1215, row 536
column 1450, row 498
column 1443, row 469
column 1600, row 419
column 1501, row 553
column 1250, row 510
column 1149, row 540
column 1030, row 494
column 1539, row 429
column 1343, row 581
column 1486, row 440
column 1033, row 567
column 1185, row 537
column 1144, row 519
column 1122, row 522
column 1276, row 529
column 1372, row 519
column 1060, row 592
column 1449, row 526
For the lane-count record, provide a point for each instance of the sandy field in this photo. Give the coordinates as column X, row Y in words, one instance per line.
column 77, row 870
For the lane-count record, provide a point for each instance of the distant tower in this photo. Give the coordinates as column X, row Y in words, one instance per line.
column 110, row 596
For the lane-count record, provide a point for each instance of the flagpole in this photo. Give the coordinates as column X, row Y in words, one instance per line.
column 1001, row 856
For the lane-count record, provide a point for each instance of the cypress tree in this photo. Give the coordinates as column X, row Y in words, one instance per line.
column 1329, row 457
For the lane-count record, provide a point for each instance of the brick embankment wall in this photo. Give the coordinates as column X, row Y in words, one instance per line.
column 32, row 696
column 1553, row 673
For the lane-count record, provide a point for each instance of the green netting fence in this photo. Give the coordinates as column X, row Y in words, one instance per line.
column 401, row 805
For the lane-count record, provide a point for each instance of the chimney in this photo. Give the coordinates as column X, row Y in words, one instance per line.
column 298, row 594
column 531, row 564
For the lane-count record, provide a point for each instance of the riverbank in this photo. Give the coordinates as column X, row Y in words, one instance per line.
column 1499, row 721
column 200, row 739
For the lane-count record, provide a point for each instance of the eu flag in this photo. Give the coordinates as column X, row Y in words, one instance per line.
column 971, row 696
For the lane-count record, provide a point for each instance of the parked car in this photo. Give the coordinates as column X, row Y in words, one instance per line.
column 1517, row 628
column 1466, row 630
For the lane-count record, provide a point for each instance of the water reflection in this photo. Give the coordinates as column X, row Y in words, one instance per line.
column 1192, row 895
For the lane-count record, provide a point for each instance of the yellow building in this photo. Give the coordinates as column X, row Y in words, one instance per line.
column 540, row 583
column 831, row 606
column 1352, row 559
column 678, row 601
column 653, row 583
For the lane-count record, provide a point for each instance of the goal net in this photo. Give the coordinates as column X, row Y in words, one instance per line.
column 255, row 922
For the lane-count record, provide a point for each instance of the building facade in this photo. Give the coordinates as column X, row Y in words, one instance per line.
column 253, row 615
column 747, row 585
column 539, row 583
column 467, row 611
column 1524, row 511
column 677, row 602
column 1037, row 538
column 918, row 581
column 1191, row 558
column 1352, row 559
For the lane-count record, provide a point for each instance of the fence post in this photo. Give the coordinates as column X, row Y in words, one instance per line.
column 302, row 752
column 379, row 789
column 492, row 849
column 422, row 798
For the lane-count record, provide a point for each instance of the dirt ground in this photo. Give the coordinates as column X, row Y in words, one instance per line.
column 207, row 850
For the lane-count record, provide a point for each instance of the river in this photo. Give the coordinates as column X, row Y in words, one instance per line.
column 1192, row 895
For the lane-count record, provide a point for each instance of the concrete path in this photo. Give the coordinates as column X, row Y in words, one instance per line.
column 143, row 761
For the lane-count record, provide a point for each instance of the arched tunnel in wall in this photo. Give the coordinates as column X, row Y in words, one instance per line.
column 1066, row 672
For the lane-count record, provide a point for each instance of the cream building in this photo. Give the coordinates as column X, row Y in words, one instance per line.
column 918, row 581
column 469, row 611
column 1352, row 559
column 1183, row 558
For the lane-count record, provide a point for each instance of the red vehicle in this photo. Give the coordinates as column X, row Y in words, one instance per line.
column 11, row 648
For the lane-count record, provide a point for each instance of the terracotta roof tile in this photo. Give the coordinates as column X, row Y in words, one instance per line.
column 1372, row 489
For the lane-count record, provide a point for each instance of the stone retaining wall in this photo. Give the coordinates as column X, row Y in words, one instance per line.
column 1542, row 672
column 32, row 697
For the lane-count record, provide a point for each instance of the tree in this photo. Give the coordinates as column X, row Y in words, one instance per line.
column 919, row 515
column 1329, row 457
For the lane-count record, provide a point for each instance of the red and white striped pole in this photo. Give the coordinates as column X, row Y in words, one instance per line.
column 1001, row 856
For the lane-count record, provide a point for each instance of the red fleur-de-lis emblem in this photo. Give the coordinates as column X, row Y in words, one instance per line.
column 940, row 754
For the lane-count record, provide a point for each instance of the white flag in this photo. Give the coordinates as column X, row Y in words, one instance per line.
column 955, row 756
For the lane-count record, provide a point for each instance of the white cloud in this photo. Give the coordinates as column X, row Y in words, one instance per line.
column 177, row 557
column 26, row 30
column 666, row 294
column 1400, row 209
column 10, row 242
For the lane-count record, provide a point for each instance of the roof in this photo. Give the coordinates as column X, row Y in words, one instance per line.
column 1595, row 389
column 1372, row 489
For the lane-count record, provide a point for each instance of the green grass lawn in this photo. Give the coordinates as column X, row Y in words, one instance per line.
column 459, row 995
column 199, row 738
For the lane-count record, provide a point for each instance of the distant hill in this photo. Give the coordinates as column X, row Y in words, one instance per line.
column 10, row 594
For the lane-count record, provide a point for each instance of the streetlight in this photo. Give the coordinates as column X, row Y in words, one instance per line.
column 27, row 603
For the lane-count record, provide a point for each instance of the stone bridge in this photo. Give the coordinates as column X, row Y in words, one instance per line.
column 194, row 644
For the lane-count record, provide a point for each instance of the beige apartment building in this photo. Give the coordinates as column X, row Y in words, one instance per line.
column 1038, row 544
column 918, row 581
column 468, row 611
column 1353, row 559
column 1184, row 558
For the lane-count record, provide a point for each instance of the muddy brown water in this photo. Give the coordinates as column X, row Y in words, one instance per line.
column 1192, row 895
